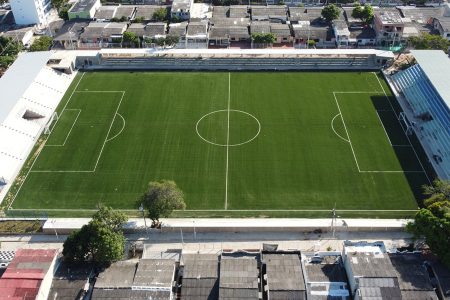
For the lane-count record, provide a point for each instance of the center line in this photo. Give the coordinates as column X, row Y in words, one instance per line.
column 228, row 140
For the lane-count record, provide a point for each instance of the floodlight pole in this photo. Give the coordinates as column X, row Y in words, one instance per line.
column 53, row 225
column 333, row 220
column 141, row 208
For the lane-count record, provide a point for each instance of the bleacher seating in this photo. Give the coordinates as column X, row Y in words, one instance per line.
column 431, row 113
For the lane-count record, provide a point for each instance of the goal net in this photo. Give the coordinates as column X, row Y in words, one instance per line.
column 51, row 123
column 406, row 125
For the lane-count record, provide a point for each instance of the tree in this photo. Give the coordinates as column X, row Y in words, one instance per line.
column 172, row 40
column 161, row 198
column 63, row 13
column 428, row 41
column 9, row 46
column 263, row 38
column 130, row 39
column 43, row 43
column 138, row 20
column 365, row 13
column 160, row 14
column 433, row 222
column 101, row 241
column 330, row 12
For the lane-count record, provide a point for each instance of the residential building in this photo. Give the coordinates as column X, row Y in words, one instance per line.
column 370, row 271
column 283, row 277
column 29, row 274
column 239, row 276
column 362, row 37
column 22, row 35
column 181, row 9
column 105, row 13
column 155, row 277
column 125, row 12
column 239, row 11
column 442, row 25
column 146, row 12
column 200, row 276
column 68, row 36
column 323, row 36
column 179, row 30
column 389, row 26
column 276, row 13
column 421, row 17
column 28, row 12
column 197, row 35
column 201, row 12
column 282, row 33
column 341, row 32
column 84, row 9
column 310, row 14
column 102, row 35
column 325, row 276
column 70, row 281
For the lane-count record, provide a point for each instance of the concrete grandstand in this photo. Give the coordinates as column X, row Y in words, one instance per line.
column 26, row 109
column 424, row 94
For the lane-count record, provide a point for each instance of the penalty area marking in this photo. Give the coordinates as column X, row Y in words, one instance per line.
column 332, row 127
column 121, row 129
column 67, row 136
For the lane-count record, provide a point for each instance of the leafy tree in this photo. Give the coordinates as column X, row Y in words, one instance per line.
column 6, row 61
column 9, row 46
column 161, row 198
column 365, row 13
column 330, row 12
column 263, row 38
column 160, row 14
column 130, row 39
column 63, row 13
column 101, row 241
column 433, row 222
column 172, row 40
column 138, row 20
column 430, row 41
column 43, row 43
column 59, row 3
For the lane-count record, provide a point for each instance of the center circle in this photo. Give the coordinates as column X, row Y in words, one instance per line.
column 222, row 119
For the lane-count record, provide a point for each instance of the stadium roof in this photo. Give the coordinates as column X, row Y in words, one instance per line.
column 436, row 66
column 18, row 78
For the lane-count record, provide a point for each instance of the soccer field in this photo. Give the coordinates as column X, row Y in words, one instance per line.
column 235, row 143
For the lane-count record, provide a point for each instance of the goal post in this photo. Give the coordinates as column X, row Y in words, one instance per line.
column 406, row 125
column 50, row 124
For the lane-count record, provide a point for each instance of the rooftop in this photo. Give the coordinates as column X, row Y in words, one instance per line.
column 436, row 66
column 239, row 11
column 82, row 6
column 197, row 29
column 371, row 265
column 178, row 29
column 69, row 281
column 126, row 11
column 238, row 277
column 284, row 272
column 118, row 275
column 200, row 276
column 388, row 17
column 311, row 14
column 105, row 12
column 147, row 11
column 154, row 273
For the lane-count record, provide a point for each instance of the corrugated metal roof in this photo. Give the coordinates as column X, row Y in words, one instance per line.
column 436, row 66
column 18, row 78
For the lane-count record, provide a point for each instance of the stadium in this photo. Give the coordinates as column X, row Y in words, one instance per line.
column 243, row 133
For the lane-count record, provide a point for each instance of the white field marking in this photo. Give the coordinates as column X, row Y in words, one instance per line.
column 346, row 131
column 228, row 210
column 88, row 91
column 67, row 136
column 332, row 127
column 381, row 122
column 393, row 110
column 123, row 127
column 101, row 150
column 360, row 92
column 228, row 141
column 229, row 145
column 40, row 151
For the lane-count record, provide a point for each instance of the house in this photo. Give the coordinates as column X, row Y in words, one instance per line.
column 70, row 281
column 22, row 35
column 442, row 25
column 341, row 32
column 282, row 33
column 421, row 17
column 68, row 36
column 201, row 12
column 370, row 271
column 197, row 35
column 364, row 36
column 351, row 21
column 125, row 12
column 389, row 26
column 239, row 11
column 102, row 35
column 310, row 14
column 239, row 276
column 155, row 30
column 222, row 16
column 84, row 9
column 269, row 13
column 29, row 12
column 283, row 278
column 181, row 9
column 200, row 276
column 413, row 278
column 146, row 12
column 323, row 36
column 155, row 277
column 105, row 13
column 115, row 281
column 325, row 276
column 259, row 27
column 179, row 30
column 29, row 275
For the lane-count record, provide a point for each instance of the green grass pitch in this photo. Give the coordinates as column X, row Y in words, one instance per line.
column 235, row 143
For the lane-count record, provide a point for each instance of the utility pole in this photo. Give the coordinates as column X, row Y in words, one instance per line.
column 333, row 220
column 141, row 209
